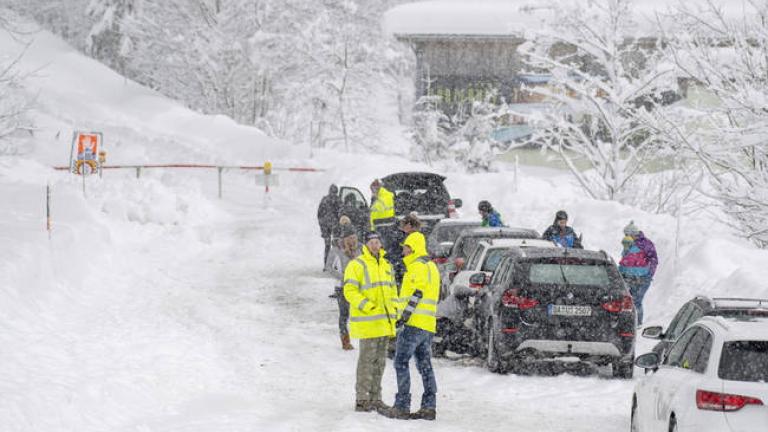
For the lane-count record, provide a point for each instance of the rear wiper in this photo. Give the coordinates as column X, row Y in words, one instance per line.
column 562, row 272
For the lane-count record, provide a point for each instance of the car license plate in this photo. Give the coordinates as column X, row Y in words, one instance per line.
column 568, row 310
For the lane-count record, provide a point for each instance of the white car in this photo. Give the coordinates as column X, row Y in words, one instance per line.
column 453, row 310
column 714, row 378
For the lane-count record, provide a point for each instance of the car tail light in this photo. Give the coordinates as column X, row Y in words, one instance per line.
column 509, row 330
column 623, row 305
column 440, row 260
column 452, row 213
column 512, row 300
column 713, row 401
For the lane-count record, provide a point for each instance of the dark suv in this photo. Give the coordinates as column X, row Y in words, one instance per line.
column 545, row 303
column 423, row 193
column 698, row 307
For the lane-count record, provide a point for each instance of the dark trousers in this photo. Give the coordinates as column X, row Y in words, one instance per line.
column 343, row 310
column 414, row 342
column 638, row 286
column 327, row 241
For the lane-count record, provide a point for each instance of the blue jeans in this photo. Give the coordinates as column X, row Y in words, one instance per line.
column 416, row 342
column 638, row 286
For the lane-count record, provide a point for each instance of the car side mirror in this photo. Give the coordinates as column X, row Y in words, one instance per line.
column 653, row 332
column 477, row 279
column 457, row 202
column 648, row 361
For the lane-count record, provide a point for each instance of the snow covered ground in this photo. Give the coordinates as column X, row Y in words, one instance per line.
column 155, row 306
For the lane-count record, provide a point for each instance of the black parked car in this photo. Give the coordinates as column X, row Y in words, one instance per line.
column 451, row 261
column 698, row 307
column 423, row 193
column 545, row 303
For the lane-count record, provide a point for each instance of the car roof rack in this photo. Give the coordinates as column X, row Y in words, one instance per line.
column 741, row 302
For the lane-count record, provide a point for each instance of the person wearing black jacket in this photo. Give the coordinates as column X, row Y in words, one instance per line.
column 328, row 217
column 560, row 233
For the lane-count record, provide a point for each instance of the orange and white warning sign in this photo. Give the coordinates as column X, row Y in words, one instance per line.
column 85, row 151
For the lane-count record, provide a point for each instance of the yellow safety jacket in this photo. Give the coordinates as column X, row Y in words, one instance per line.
column 422, row 274
column 370, row 289
column 383, row 208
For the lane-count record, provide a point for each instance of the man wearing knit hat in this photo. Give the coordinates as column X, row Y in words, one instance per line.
column 638, row 265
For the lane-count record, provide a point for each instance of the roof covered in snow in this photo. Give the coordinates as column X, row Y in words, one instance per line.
column 506, row 17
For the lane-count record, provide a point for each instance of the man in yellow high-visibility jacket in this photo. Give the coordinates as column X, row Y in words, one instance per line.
column 420, row 290
column 382, row 206
column 370, row 288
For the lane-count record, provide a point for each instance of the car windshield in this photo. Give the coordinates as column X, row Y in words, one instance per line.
column 492, row 260
column 569, row 274
column 744, row 361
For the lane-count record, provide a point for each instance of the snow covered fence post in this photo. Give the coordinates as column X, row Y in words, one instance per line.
column 267, row 173
column 517, row 166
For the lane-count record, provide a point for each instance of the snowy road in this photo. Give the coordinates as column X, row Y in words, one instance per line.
column 256, row 300
column 223, row 323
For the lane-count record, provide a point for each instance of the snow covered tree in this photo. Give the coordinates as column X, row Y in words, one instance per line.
column 14, row 102
column 107, row 40
column 606, row 79
column 723, row 52
column 473, row 142
column 430, row 132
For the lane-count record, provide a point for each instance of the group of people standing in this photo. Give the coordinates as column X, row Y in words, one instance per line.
column 379, row 309
column 381, row 306
column 638, row 256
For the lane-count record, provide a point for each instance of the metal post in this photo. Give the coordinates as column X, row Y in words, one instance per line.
column 220, row 170
column 48, row 209
column 517, row 167
column 82, row 173
column 138, row 172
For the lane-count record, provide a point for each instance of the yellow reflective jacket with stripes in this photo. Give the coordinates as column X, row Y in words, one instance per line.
column 370, row 289
column 383, row 208
column 421, row 274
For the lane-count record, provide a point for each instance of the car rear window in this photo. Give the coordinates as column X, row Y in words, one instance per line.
column 569, row 274
column 449, row 233
column 744, row 361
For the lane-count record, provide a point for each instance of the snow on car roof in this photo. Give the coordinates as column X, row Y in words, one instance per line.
column 739, row 328
column 510, row 242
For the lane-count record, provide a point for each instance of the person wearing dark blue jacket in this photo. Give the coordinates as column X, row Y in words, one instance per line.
column 560, row 233
column 491, row 218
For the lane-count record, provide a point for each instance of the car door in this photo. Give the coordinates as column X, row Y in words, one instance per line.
column 359, row 198
column 676, row 327
column 693, row 364
column 663, row 385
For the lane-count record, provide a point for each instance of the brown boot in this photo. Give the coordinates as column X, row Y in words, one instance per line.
column 424, row 414
column 345, row 344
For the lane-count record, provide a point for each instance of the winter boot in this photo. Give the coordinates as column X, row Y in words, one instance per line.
column 364, row 406
column 424, row 414
column 345, row 344
column 396, row 413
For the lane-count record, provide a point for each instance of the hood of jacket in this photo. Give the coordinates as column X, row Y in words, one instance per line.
column 418, row 245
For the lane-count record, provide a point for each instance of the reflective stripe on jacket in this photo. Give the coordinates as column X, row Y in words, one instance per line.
column 383, row 207
column 370, row 289
column 421, row 274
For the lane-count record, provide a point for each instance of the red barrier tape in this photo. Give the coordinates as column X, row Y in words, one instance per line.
column 244, row 167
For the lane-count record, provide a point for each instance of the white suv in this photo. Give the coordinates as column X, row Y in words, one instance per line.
column 714, row 378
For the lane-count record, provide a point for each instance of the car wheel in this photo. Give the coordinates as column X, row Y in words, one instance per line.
column 672, row 424
column 622, row 370
column 492, row 357
column 439, row 348
column 633, row 427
